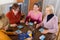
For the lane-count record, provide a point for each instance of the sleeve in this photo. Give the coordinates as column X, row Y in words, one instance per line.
column 55, row 26
column 28, row 16
column 10, row 18
column 8, row 33
column 40, row 18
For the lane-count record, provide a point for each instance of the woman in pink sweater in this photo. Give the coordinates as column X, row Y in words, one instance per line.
column 34, row 15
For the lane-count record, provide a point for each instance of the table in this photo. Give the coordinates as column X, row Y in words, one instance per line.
column 36, row 32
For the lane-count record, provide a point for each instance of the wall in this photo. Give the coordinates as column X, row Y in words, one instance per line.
column 20, row 0
column 26, row 5
column 5, row 8
column 7, row 1
column 4, row 4
column 31, row 3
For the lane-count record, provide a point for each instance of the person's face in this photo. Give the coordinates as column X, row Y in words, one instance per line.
column 16, row 10
column 36, row 8
column 47, row 11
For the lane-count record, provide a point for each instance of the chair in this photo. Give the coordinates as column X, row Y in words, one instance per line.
column 58, row 33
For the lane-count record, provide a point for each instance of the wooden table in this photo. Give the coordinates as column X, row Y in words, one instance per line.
column 36, row 33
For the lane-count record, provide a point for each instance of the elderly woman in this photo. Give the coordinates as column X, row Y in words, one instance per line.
column 3, row 27
column 50, row 23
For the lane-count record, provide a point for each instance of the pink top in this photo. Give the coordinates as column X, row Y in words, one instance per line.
column 52, row 24
column 34, row 16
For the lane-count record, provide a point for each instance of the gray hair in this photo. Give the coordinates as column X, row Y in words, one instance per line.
column 51, row 8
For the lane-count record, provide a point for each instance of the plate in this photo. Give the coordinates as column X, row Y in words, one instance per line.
column 20, row 26
column 30, row 23
column 42, row 37
column 18, row 31
column 41, row 29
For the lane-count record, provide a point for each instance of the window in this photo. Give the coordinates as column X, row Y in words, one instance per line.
column 7, row 1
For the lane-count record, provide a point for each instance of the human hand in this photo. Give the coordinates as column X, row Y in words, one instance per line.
column 37, row 26
column 22, row 21
column 45, row 32
column 35, row 22
column 27, row 23
column 13, row 25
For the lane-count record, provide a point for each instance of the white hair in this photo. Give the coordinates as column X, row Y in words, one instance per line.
column 51, row 8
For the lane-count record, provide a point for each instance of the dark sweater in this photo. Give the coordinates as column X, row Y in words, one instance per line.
column 49, row 17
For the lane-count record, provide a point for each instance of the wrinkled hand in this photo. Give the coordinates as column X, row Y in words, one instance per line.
column 45, row 32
